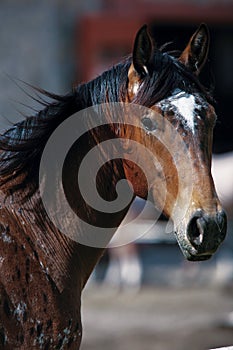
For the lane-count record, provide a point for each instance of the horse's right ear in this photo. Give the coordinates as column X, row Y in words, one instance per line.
column 142, row 53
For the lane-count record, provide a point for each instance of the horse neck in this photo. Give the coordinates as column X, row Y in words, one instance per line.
column 27, row 220
column 106, row 179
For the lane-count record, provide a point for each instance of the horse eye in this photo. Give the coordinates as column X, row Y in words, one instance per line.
column 170, row 112
column 201, row 112
column 148, row 124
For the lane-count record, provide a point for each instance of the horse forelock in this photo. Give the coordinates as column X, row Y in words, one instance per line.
column 167, row 74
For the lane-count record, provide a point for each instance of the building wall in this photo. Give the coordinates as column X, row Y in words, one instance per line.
column 37, row 41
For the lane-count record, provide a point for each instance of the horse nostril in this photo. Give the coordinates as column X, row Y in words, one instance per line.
column 196, row 230
column 205, row 232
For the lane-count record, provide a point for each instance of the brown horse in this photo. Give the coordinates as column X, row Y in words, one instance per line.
column 42, row 270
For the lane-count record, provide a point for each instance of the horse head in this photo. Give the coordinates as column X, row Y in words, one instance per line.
column 182, row 112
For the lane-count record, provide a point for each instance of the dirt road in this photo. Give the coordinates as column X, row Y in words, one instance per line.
column 156, row 319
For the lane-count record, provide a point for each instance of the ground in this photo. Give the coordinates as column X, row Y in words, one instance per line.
column 158, row 318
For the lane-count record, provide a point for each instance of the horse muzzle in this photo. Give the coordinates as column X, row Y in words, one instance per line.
column 203, row 235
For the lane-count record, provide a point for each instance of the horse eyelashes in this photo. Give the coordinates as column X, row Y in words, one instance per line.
column 149, row 124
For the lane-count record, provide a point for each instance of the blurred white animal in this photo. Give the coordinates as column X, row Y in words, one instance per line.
column 222, row 170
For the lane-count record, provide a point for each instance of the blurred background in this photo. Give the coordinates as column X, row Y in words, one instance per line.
column 142, row 296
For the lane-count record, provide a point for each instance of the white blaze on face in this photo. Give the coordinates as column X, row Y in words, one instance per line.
column 185, row 105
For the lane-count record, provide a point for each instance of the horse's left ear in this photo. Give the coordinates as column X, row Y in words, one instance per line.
column 142, row 53
column 195, row 54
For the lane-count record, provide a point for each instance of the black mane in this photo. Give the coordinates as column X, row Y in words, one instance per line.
column 22, row 145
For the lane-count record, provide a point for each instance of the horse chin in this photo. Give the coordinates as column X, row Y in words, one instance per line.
column 198, row 257
column 189, row 252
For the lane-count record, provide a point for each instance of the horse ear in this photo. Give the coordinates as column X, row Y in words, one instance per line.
column 195, row 54
column 142, row 54
column 142, row 51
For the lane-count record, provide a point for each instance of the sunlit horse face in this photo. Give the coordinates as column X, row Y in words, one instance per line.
column 202, row 227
